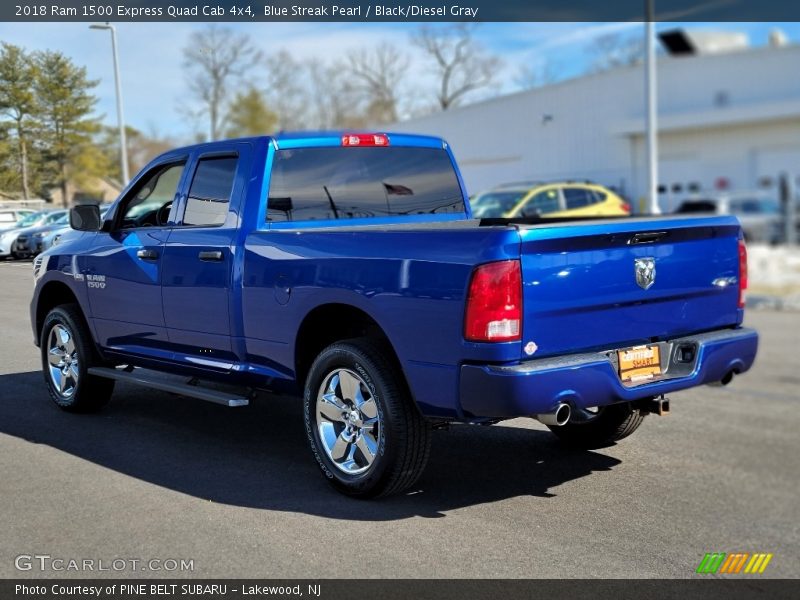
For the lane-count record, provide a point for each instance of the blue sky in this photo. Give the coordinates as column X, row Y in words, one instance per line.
column 153, row 77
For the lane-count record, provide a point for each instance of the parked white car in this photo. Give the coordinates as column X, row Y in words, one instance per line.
column 10, row 217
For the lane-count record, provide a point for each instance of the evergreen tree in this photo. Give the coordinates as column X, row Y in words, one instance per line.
column 65, row 105
column 249, row 115
column 19, row 108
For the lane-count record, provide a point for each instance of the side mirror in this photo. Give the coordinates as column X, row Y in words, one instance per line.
column 85, row 217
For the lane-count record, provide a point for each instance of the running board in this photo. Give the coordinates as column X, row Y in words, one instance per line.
column 182, row 389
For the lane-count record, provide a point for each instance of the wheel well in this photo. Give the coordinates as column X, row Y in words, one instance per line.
column 331, row 323
column 52, row 294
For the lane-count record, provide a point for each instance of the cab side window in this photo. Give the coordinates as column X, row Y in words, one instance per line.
column 578, row 197
column 150, row 202
column 210, row 192
column 544, row 202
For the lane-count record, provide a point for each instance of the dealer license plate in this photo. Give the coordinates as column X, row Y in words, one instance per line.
column 639, row 363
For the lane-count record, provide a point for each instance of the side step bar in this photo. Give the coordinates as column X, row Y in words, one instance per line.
column 183, row 389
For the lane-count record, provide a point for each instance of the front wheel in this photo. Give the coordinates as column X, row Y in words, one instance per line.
column 67, row 354
column 367, row 435
column 599, row 427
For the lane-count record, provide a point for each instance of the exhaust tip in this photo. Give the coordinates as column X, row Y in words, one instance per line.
column 563, row 413
column 728, row 378
column 560, row 416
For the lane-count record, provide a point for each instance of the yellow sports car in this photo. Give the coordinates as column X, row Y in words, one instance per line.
column 564, row 199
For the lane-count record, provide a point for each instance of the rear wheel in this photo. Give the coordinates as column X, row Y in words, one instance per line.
column 67, row 354
column 367, row 435
column 599, row 427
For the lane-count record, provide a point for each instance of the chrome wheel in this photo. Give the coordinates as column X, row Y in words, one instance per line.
column 62, row 356
column 348, row 421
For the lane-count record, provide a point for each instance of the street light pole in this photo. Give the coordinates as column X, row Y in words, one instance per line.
column 123, row 146
column 652, row 113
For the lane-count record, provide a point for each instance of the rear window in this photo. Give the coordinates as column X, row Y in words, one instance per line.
column 310, row 184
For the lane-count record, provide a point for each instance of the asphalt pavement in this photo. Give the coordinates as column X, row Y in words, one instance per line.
column 235, row 492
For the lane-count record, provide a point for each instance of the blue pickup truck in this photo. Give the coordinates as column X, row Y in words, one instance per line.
column 347, row 267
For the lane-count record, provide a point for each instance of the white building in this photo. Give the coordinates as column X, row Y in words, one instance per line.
column 727, row 119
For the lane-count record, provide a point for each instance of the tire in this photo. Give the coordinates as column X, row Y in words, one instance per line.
column 67, row 353
column 601, row 429
column 367, row 409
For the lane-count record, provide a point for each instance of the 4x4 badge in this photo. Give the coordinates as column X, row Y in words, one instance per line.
column 645, row 270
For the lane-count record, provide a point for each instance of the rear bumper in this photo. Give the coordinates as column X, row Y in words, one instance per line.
column 591, row 379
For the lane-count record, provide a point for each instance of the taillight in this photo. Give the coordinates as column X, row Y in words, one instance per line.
column 626, row 208
column 494, row 303
column 742, row 272
column 365, row 139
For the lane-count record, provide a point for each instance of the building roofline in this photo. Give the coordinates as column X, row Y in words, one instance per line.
column 662, row 61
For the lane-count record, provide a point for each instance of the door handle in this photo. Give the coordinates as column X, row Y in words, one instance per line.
column 210, row 255
column 647, row 238
column 147, row 254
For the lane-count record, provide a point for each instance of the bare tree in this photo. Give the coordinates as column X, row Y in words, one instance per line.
column 333, row 101
column 285, row 92
column 216, row 57
column 615, row 50
column 379, row 72
column 461, row 64
column 312, row 94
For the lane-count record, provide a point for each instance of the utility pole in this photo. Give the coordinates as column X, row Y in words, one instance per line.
column 651, row 100
column 123, row 146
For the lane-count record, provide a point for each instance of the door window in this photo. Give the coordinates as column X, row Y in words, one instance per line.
column 210, row 192
column 542, row 203
column 577, row 198
column 150, row 202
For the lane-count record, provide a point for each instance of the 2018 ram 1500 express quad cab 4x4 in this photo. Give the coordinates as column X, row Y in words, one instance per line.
column 348, row 267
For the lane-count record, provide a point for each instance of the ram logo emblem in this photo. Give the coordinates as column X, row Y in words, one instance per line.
column 645, row 270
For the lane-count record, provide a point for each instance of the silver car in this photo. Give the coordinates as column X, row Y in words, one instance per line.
column 758, row 212
column 31, row 240
column 10, row 240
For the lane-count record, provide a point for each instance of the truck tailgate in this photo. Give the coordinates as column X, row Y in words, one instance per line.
column 581, row 290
